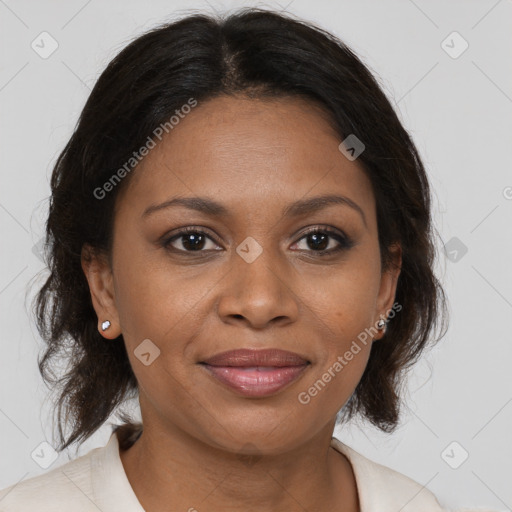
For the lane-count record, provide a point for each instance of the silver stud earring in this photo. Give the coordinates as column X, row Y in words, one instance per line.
column 105, row 325
column 380, row 324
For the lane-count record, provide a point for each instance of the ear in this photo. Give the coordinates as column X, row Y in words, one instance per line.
column 388, row 284
column 98, row 272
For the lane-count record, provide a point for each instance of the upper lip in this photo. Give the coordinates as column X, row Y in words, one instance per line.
column 252, row 357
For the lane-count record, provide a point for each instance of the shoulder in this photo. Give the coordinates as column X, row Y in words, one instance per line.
column 95, row 481
column 381, row 488
column 57, row 489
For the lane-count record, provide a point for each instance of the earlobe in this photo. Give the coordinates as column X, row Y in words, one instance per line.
column 101, row 286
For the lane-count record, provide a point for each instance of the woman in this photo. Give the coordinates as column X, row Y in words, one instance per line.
column 240, row 237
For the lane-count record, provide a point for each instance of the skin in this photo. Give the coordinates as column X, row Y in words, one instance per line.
column 255, row 158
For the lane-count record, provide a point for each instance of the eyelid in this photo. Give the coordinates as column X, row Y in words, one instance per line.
column 323, row 228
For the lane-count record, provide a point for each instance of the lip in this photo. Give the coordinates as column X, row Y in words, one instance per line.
column 256, row 373
column 251, row 357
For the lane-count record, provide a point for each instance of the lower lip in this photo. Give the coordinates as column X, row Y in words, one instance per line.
column 257, row 382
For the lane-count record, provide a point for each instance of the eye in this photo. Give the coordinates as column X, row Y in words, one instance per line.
column 325, row 241
column 190, row 240
column 322, row 241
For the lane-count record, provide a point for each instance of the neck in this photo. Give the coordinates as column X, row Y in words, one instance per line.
column 173, row 469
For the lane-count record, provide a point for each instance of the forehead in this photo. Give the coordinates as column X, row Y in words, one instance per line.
column 242, row 150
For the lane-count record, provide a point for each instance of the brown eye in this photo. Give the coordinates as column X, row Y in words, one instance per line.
column 325, row 241
column 189, row 240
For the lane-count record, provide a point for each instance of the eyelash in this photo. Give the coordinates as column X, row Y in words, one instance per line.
column 345, row 243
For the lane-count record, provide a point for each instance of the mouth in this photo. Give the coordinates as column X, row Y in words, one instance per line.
column 256, row 373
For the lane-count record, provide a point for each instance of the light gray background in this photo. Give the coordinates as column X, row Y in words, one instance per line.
column 458, row 111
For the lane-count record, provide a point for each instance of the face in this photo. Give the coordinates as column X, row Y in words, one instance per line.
column 263, row 265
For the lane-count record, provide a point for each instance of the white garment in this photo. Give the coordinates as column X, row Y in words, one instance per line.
column 97, row 482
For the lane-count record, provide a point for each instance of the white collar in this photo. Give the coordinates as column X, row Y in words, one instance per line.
column 379, row 488
column 108, row 474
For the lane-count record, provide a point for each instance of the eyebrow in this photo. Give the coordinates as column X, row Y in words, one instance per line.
column 215, row 209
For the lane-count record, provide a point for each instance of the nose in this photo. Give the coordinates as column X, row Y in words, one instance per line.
column 258, row 293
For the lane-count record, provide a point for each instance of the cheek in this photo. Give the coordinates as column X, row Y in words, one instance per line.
column 155, row 300
column 342, row 356
column 343, row 307
column 345, row 300
column 333, row 383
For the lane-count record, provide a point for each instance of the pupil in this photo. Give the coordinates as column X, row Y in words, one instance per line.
column 196, row 240
column 322, row 239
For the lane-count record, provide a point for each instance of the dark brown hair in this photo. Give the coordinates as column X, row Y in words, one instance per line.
column 261, row 54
